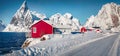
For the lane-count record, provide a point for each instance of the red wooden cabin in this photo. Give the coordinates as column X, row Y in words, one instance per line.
column 41, row 28
column 83, row 29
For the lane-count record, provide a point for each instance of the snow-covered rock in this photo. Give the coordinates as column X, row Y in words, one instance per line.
column 55, row 18
column 13, row 28
column 37, row 16
column 68, row 15
column 107, row 18
column 66, row 20
column 76, row 23
column 2, row 26
column 21, row 19
column 90, row 22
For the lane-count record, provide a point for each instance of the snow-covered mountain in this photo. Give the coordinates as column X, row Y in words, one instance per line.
column 24, row 18
column 37, row 16
column 2, row 26
column 90, row 22
column 107, row 18
column 21, row 20
column 67, row 20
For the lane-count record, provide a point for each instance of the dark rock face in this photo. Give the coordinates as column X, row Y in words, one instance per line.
column 115, row 20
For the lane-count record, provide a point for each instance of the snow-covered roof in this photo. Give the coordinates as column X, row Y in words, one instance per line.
column 62, row 26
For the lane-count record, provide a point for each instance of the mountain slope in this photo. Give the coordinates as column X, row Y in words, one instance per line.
column 107, row 18
column 23, row 16
column 21, row 19
column 90, row 22
column 37, row 16
column 67, row 20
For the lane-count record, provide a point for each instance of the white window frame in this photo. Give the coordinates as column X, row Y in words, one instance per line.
column 34, row 29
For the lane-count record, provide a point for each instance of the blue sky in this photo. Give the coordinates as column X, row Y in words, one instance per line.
column 81, row 9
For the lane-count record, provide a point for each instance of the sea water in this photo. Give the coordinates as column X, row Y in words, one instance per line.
column 10, row 41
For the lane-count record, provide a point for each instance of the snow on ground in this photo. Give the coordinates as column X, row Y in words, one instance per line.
column 57, row 44
column 34, row 41
column 105, row 46
column 114, row 50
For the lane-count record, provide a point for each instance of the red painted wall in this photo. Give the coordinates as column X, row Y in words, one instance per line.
column 42, row 28
column 83, row 29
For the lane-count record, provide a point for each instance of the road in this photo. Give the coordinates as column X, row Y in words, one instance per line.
column 108, row 46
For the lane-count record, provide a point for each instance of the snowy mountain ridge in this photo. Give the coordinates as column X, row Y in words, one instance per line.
column 107, row 18
column 38, row 15
column 67, row 19
column 21, row 19
column 24, row 18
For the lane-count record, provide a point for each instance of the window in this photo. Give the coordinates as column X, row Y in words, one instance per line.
column 34, row 30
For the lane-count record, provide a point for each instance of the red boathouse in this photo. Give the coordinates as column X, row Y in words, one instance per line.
column 83, row 29
column 41, row 28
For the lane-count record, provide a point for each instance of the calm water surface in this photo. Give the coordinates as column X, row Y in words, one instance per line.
column 11, row 41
